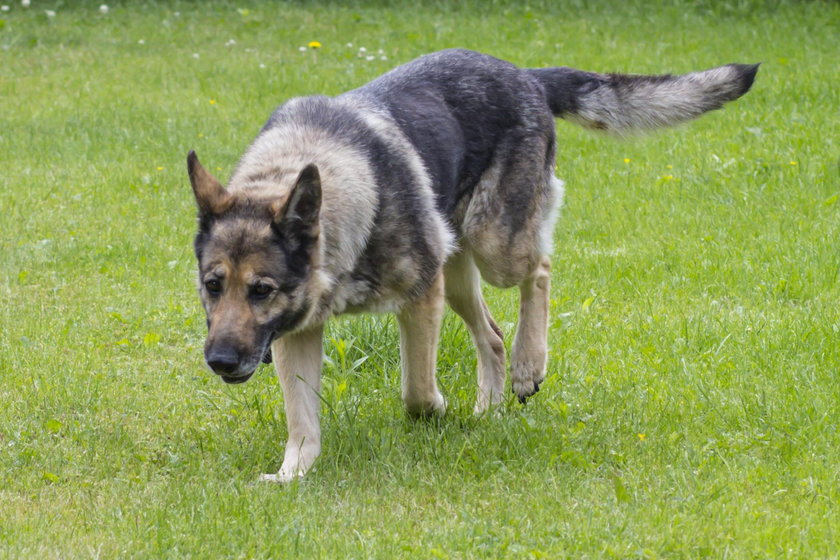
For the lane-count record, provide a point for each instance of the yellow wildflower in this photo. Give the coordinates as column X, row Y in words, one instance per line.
column 314, row 45
column 641, row 437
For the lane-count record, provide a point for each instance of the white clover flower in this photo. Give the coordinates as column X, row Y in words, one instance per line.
column 103, row 9
column 50, row 13
column 24, row 3
column 362, row 50
column 262, row 65
column 349, row 45
column 302, row 49
column 230, row 43
column 383, row 57
column 141, row 42
column 195, row 55
column 369, row 58
column 4, row 8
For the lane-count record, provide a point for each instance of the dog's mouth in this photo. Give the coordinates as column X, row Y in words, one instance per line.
column 236, row 380
column 230, row 365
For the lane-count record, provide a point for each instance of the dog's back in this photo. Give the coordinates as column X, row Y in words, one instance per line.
column 459, row 108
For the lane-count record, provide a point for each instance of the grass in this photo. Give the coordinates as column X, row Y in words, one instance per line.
column 691, row 407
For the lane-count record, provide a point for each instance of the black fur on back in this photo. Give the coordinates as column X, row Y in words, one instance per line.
column 455, row 106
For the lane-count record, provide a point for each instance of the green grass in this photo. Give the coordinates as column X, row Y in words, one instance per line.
column 692, row 403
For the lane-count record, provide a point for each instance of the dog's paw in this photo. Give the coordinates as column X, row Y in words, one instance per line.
column 526, row 379
column 488, row 402
column 435, row 406
column 282, row 477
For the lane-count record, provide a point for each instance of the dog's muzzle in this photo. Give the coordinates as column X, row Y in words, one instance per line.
column 228, row 364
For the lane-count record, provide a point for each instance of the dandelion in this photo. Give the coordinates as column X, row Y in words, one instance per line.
column 669, row 166
column 314, row 45
column 794, row 163
column 160, row 168
column 627, row 160
column 641, row 437
column 103, row 9
column 212, row 102
column 667, row 177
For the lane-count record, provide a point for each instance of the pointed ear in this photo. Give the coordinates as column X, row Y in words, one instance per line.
column 211, row 196
column 299, row 214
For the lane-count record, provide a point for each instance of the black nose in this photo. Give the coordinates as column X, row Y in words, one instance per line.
column 223, row 360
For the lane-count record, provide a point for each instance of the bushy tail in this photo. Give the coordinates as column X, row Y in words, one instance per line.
column 623, row 104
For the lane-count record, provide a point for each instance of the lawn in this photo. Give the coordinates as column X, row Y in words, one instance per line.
column 692, row 402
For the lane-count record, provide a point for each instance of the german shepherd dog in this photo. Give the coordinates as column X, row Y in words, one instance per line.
column 398, row 196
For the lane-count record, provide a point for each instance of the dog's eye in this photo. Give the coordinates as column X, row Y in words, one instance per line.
column 214, row 287
column 261, row 290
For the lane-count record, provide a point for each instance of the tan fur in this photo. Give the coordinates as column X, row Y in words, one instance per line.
column 530, row 345
column 298, row 365
column 419, row 330
column 211, row 196
column 463, row 293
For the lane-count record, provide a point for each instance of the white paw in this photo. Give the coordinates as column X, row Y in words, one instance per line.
column 487, row 402
column 434, row 406
column 526, row 378
column 282, row 477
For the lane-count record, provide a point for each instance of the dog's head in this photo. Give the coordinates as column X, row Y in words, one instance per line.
column 256, row 257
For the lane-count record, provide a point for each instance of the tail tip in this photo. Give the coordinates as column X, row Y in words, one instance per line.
column 746, row 73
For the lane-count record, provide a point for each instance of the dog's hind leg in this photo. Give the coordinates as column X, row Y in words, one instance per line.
column 511, row 243
column 297, row 359
column 530, row 345
column 463, row 292
column 419, row 331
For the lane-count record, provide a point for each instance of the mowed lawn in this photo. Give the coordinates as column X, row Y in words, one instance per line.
column 693, row 396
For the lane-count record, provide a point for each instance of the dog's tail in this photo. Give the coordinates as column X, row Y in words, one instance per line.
column 623, row 104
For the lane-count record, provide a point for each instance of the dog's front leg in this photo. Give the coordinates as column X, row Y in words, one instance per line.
column 297, row 359
column 419, row 331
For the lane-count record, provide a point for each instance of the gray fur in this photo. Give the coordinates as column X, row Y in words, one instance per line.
column 626, row 104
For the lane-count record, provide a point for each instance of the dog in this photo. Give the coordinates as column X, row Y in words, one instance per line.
column 397, row 197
